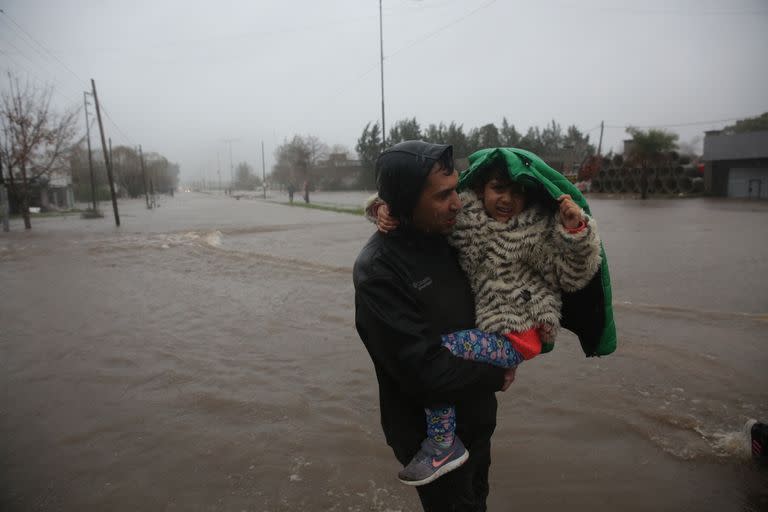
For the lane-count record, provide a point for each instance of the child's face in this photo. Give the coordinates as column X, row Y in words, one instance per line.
column 503, row 199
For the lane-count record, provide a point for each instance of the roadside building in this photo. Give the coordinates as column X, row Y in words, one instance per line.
column 736, row 165
column 337, row 172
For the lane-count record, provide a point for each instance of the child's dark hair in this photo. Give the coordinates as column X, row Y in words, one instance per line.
column 497, row 169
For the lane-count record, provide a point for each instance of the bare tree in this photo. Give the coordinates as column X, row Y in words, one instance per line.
column 34, row 139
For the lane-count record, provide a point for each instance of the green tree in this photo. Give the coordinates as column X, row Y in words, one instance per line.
column 551, row 138
column 404, row 129
column 578, row 143
column 126, row 167
column 487, row 136
column 648, row 148
column 452, row 134
column 455, row 136
column 292, row 160
column 163, row 174
column 368, row 149
column 750, row 124
column 81, row 174
column 508, row 135
column 245, row 179
column 435, row 133
column 532, row 141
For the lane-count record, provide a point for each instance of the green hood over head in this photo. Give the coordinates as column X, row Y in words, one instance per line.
column 589, row 312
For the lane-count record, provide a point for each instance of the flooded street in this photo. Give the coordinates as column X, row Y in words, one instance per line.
column 203, row 357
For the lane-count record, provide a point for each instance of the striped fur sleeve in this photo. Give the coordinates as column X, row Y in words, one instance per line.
column 371, row 205
column 577, row 255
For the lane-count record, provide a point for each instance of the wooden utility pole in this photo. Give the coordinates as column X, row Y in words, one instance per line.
column 90, row 158
column 144, row 176
column 4, row 207
column 600, row 144
column 106, row 155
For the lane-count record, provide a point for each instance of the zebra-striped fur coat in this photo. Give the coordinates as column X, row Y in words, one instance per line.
column 519, row 269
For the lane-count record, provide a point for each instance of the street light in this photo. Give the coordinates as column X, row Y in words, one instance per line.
column 381, row 52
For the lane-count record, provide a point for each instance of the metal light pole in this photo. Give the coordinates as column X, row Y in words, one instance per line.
column 381, row 49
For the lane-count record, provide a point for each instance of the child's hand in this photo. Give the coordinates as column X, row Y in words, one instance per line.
column 570, row 213
column 384, row 221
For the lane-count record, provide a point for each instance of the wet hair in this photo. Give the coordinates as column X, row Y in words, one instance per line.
column 495, row 170
column 402, row 172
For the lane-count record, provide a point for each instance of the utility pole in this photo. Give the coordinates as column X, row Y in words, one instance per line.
column 231, row 164
column 4, row 206
column 263, row 170
column 90, row 158
column 381, row 48
column 106, row 156
column 218, row 168
column 600, row 144
column 144, row 176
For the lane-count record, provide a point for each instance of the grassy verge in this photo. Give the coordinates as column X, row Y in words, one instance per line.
column 328, row 208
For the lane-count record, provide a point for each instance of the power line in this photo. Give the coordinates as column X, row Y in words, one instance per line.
column 410, row 45
column 41, row 45
column 675, row 125
column 126, row 137
column 440, row 29
column 44, row 82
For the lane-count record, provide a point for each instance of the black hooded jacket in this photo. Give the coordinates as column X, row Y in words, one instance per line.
column 409, row 290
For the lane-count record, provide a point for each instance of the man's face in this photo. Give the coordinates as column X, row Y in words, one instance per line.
column 439, row 203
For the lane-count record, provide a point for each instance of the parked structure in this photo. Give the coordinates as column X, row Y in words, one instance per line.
column 736, row 165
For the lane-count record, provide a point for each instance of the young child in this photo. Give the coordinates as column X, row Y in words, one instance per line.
column 520, row 249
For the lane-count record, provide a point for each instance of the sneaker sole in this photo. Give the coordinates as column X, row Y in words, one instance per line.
column 447, row 468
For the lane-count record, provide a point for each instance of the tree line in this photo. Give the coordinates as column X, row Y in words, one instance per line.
column 162, row 176
column 297, row 157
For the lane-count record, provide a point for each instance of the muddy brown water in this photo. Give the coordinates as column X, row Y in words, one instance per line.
column 203, row 357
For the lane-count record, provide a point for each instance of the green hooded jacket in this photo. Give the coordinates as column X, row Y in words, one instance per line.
column 588, row 312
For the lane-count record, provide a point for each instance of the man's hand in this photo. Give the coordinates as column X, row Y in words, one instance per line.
column 570, row 213
column 384, row 221
column 509, row 378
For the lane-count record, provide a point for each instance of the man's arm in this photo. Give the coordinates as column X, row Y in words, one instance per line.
column 398, row 339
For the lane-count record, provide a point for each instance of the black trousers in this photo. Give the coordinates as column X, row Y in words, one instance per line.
column 462, row 490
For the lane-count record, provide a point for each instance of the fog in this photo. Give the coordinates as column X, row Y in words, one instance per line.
column 181, row 78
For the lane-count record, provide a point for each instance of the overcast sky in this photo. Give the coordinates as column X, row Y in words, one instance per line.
column 180, row 77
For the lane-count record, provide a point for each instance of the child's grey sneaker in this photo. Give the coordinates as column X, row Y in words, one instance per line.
column 433, row 461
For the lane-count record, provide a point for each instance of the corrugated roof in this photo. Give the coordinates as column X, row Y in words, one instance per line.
column 738, row 146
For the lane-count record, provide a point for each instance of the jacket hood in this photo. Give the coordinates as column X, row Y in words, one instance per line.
column 402, row 170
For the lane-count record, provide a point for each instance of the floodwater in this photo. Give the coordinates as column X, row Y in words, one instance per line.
column 203, row 357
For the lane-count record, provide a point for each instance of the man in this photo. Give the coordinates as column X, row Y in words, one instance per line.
column 410, row 289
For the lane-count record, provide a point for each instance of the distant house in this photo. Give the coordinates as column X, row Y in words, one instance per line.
column 52, row 192
column 336, row 173
column 736, row 165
